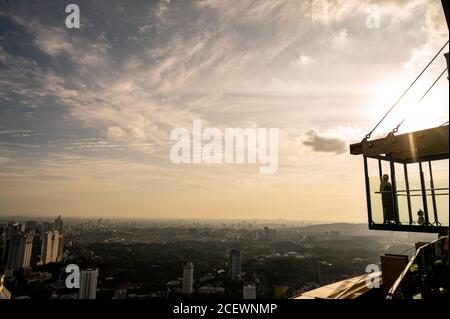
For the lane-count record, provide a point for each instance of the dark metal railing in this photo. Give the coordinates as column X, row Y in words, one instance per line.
column 426, row 275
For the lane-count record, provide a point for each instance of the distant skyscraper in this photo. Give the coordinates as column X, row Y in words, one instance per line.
column 270, row 234
column 324, row 272
column 188, row 278
column 88, row 284
column 19, row 250
column 58, row 224
column 60, row 247
column 50, row 247
column 249, row 292
column 5, row 250
column 234, row 263
column 266, row 232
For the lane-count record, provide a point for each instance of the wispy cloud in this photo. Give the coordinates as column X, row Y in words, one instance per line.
column 96, row 105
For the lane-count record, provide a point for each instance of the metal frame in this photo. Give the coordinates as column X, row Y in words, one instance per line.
column 410, row 148
column 408, row 194
column 424, row 192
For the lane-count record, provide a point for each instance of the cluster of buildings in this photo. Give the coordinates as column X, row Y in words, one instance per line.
column 19, row 238
column 40, row 243
column 234, row 271
column 27, row 244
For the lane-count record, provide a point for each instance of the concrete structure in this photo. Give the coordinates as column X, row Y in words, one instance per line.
column 188, row 278
column 60, row 255
column 249, row 292
column 324, row 273
column 50, row 247
column 234, row 263
column 352, row 288
column 19, row 251
column 88, row 284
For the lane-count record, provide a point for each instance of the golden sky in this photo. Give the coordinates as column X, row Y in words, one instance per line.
column 86, row 115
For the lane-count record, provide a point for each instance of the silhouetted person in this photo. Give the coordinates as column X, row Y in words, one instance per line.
column 421, row 219
column 387, row 200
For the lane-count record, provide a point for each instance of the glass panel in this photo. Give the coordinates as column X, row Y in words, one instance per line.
column 375, row 199
column 426, row 173
column 415, row 191
column 402, row 197
column 375, row 195
column 440, row 182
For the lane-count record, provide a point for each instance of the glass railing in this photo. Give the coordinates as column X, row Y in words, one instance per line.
column 414, row 196
column 408, row 205
column 427, row 274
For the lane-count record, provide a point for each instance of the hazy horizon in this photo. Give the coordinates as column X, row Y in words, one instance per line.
column 8, row 217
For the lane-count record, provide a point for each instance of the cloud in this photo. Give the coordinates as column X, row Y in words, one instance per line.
column 85, row 51
column 302, row 60
column 341, row 39
column 5, row 160
column 436, row 36
column 115, row 133
column 326, row 12
column 107, row 95
column 321, row 143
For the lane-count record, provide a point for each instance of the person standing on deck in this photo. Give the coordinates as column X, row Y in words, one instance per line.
column 387, row 200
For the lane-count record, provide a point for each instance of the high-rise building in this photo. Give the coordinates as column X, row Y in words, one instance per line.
column 60, row 247
column 188, row 278
column 13, row 228
column 88, row 284
column 249, row 292
column 234, row 263
column 266, row 232
column 324, row 272
column 18, row 253
column 270, row 234
column 5, row 250
column 58, row 224
column 50, row 247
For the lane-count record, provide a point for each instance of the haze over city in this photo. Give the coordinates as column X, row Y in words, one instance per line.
column 86, row 115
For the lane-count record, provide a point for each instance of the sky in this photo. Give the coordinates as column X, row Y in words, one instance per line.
column 86, row 114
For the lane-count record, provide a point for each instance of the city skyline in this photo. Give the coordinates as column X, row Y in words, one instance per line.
column 198, row 261
column 86, row 114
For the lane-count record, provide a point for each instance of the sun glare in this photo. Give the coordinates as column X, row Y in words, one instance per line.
column 430, row 112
